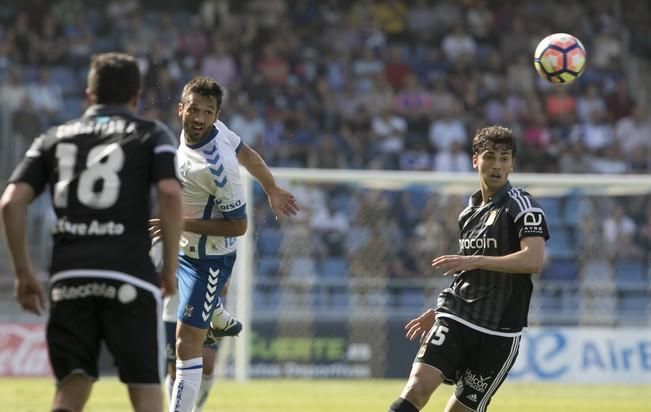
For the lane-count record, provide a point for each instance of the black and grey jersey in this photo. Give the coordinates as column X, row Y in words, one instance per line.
column 494, row 302
column 99, row 169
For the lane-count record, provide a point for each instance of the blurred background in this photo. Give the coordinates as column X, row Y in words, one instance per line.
column 379, row 85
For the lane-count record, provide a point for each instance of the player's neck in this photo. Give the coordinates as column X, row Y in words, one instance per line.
column 487, row 194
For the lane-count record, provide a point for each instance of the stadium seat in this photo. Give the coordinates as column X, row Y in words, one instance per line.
column 562, row 242
column 269, row 242
column 267, row 266
column 334, row 267
column 413, row 299
column 552, row 208
column 630, row 272
column 72, row 107
column 634, row 301
column 572, row 209
column 418, row 196
column 560, row 269
column 65, row 78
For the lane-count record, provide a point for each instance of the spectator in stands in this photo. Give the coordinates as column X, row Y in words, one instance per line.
column 447, row 130
column 248, row 125
column 47, row 97
column 618, row 232
column 452, row 159
column 331, row 225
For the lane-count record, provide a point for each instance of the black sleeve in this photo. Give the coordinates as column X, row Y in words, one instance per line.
column 32, row 168
column 528, row 216
column 164, row 147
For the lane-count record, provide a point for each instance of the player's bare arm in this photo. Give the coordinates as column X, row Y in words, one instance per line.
column 280, row 200
column 210, row 227
column 169, row 229
column 529, row 259
column 418, row 327
column 14, row 203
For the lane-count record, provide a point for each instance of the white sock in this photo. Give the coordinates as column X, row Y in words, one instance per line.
column 169, row 387
column 204, row 389
column 220, row 316
column 186, row 385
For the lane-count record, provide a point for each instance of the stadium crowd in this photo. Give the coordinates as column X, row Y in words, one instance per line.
column 369, row 84
column 372, row 84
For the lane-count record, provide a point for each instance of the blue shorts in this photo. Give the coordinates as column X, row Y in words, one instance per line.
column 200, row 284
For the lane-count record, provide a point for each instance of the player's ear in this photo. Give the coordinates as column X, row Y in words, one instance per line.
column 474, row 161
column 179, row 108
column 90, row 97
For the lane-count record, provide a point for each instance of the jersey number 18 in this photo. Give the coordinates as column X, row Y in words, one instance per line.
column 102, row 165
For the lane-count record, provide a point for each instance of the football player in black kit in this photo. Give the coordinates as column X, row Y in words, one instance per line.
column 472, row 337
column 103, row 286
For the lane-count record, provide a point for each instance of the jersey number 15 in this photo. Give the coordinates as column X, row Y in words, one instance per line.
column 102, row 165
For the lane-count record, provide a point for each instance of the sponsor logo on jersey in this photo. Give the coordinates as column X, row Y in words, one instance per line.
column 102, row 290
column 475, row 381
column 531, row 219
column 92, row 228
column 478, row 243
column 230, row 206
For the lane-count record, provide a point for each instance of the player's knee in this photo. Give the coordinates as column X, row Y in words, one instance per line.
column 417, row 392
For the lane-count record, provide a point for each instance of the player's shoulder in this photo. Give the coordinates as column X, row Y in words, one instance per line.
column 519, row 202
column 228, row 136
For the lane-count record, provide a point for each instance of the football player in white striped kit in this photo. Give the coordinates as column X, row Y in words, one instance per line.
column 215, row 215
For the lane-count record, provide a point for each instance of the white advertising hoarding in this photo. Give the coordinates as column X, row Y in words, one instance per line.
column 584, row 355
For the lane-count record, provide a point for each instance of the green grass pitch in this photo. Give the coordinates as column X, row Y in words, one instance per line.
column 108, row 395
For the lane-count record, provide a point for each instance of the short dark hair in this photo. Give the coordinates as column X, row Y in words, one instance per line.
column 205, row 86
column 493, row 138
column 113, row 78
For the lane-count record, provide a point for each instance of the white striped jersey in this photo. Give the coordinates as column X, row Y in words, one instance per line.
column 212, row 188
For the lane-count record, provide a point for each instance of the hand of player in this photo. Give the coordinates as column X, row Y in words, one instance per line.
column 29, row 293
column 418, row 328
column 154, row 228
column 451, row 264
column 168, row 282
column 282, row 202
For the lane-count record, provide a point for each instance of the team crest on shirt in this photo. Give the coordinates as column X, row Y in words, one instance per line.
column 491, row 218
column 187, row 312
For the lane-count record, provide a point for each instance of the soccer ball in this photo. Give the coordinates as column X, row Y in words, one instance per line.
column 560, row 58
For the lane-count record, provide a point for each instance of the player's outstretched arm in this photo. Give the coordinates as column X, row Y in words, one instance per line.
column 529, row 259
column 13, row 204
column 282, row 202
column 171, row 225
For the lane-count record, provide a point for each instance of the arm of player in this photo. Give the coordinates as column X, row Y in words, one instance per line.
column 209, row 227
column 280, row 200
column 529, row 259
column 13, row 204
column 418, row 328
column 171, row 225
column 216, row 227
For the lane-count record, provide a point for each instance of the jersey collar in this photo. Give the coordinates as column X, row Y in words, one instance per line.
column 476, row 199
column 203, row 141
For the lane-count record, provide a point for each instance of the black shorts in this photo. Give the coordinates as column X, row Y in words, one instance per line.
column 90, row 307
column 475, row 361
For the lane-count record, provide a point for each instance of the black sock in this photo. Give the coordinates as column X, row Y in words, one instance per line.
column 61, row 410
column 402, row 405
